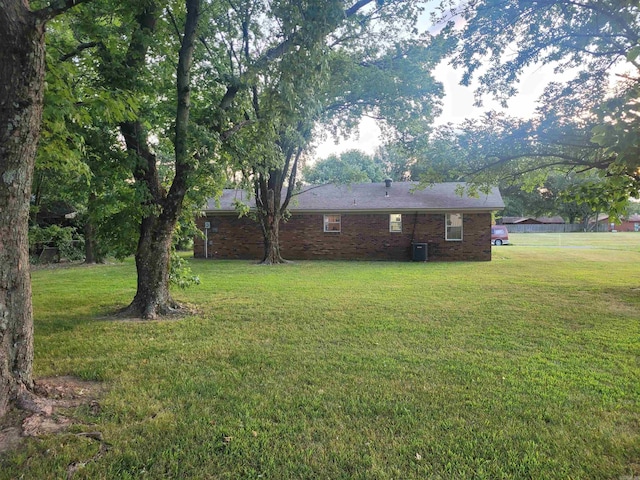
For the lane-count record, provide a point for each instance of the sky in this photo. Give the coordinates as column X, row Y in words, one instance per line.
column 457, row 106
column 458, row 103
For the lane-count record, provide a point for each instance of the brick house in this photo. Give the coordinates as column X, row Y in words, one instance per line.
column 365, row 221
column 629, row 224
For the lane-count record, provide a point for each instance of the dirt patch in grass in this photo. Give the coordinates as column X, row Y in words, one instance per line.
column 179, row 312
column 48, row 410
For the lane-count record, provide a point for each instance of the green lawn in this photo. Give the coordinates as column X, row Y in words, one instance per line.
column 523, row 367
column 604, row 240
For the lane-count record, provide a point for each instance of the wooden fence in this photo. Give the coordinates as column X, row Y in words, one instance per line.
column 555, row 228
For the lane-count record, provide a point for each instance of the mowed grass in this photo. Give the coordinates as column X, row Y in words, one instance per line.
column 603, row 240
column 523, row 367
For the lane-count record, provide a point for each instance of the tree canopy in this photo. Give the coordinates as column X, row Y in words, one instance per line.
column 587, row 119
column 353, row 59
column 351, row 166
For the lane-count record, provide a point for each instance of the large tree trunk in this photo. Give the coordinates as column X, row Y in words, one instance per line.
column 270, row 223
column 153, row 260
column 22, row 68
column 152, row 255
column 152, row 265
column 92, row 251
column 269, row 215
column 156, row 232
column 272, row 206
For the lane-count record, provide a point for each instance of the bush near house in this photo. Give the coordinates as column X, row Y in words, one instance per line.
column 53, row 243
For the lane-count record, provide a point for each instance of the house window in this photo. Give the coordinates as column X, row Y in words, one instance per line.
column 332, row 223
column 395, row 222
column 453, row 226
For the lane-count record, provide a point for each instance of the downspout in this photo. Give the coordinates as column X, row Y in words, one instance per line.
column 207, row 225
column 413, row 233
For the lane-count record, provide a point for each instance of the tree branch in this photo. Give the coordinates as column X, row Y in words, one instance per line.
column 228, row 133
column 175, row 24
column 56, row 8
column 78, row 49
column 183, row 162
column 356, row 7
column 289, row 43
column 292, row 179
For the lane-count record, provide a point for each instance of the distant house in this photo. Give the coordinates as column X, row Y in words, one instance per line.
column 630, row 224
column 519, row 221
column 556, row 220
column 532, row 220
column 365, row 221
column 600, row 223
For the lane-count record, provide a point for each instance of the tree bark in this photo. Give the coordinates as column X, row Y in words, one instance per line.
column 270, row 223
column 156, row 231
column 271, row 207
column 92, row 252
column 22, row 60
column 152, row 265
column 153, row 261
column 269, row 211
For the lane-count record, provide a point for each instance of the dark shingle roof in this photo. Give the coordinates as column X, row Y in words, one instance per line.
column 532, row 220
column 514, row 220
column 362, row 197
column 556, row 219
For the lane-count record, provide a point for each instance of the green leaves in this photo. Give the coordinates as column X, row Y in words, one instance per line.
column 583, row 123
column 500, row 39
column 557, row 156
column 633, row 53
column 351, row 166
column 65, row 240
column 180, row 273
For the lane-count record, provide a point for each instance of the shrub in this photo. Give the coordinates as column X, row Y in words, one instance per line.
column 66, row 240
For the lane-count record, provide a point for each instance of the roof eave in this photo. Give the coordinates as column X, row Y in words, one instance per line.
column 490, row 208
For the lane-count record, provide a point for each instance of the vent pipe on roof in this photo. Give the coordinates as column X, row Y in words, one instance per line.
column 387, row 182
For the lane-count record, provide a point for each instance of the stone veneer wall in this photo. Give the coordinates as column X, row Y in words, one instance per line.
column 363, row 236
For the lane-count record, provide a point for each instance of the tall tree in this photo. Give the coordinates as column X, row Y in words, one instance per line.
column 399, row 163
column 353, row 58
column 144, row 50
column 22, row 56
column 582, row 123
column 554, row 196
column 164, row 206
column 500, row 39
column 499, row 150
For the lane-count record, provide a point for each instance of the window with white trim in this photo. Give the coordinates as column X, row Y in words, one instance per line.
column 395, row 222
column 332, row 223
column 453, row 227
